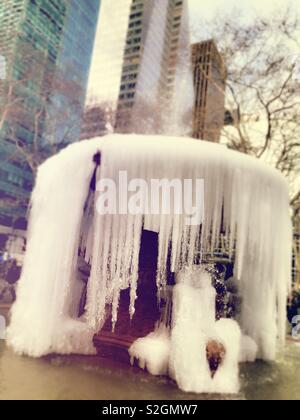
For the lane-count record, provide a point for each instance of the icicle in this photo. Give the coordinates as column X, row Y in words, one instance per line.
column 41, row 321
column 244, row 199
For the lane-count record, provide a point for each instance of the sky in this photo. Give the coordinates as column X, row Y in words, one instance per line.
column 108, row 50
column 207, row 8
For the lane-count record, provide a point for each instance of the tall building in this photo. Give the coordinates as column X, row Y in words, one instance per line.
column 139, row 81
column 106, row 68
column 296, row 248
column 209, row 81
column 151, row 61
column 47, row 46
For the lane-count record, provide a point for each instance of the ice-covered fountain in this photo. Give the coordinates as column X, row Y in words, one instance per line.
column 245, row 201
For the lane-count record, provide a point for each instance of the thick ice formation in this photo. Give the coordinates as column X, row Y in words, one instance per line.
column 249, row 349
column 245, row 199
column 226, row 379
column 153, row 351
column 41, row 320
column 182, row 353
column 194, row 325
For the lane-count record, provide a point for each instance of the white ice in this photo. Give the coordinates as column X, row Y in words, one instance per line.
column 194, row 325
column 41, row 320
column 244, row 197
column 182, row 353
column 152, row 351
column 249, row 350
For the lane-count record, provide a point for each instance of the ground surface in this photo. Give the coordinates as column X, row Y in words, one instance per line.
column 85, row 378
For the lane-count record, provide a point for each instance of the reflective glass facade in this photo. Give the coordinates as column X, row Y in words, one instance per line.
column 47, row 45
column 150, row 64
column 209, row 79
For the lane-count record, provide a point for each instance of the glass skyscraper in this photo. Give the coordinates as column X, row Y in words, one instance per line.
column 47, row 46
column 106, row 69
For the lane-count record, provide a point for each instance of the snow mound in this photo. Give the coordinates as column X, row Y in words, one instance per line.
column 152, row 351
column 193, row 327
column 249, row 350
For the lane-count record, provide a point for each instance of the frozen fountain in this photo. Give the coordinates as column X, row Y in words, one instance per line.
column 244, row 200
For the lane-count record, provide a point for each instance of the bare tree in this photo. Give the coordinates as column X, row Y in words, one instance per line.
column 262, row 88
column 262, row 56
column 40, row 108
column 39, row 114
column 98, row 119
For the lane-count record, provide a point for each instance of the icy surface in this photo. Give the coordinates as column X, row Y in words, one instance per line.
column 197, row 277
column 250, row 198
column 244, row 198
column 226, row 379
column 41, row 318
column 153, row 351
column 194, row 326
column 249, row 350
column 188, row 363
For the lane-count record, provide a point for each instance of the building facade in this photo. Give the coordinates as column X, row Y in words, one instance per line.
column 139, row 82
column 150, row 64
column 209, row 81
column 106, row 68
column 47, row 47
